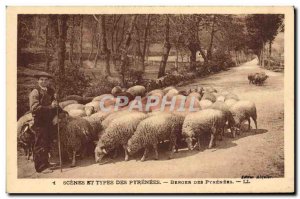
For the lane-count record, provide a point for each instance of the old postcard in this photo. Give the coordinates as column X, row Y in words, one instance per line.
column 150, row 100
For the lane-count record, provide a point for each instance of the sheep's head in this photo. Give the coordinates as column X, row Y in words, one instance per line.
column 133, row 145
column 100, row 152
column 189, row 142
column 89, row 110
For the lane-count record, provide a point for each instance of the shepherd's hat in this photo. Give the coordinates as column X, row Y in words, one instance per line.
column 43, row 74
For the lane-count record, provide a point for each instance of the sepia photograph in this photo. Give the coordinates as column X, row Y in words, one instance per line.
column 162, row 97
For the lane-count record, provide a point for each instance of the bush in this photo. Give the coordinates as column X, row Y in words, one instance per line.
column 73, row 82
column 220, row 61
column 104, row 85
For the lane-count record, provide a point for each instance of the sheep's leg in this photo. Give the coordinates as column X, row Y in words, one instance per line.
column 126, row 153
column 197, row 144
column 172, row 151
column 249, row 124
column 145, row 154
column 115, row 153
column 255, row 122
column 214, row 130
column 155, row 151
column 74, row 159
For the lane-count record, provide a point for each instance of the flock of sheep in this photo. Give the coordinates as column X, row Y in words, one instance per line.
column 83, row 126
column 257, row 78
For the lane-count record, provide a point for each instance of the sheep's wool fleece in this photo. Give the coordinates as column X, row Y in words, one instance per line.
column 75, row 133
column 230, row 102
column 74, row 106
column 243, row 110
column 121, row 130
column 114, row 115
column 202, row 121
column 137, row 90
column 164, row 126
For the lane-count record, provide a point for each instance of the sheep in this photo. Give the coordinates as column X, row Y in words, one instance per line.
column 230, row 102
column 114, row 115
column 22, row 121
column 118, row 133
column 72, row 97
column 66, row 103
column 184, row 92
column 95, row 122
column 209, row 96
column 231, row 96
column 155, row 92
column 116, row 90
column 251, row 77
column 107, row 103
column 153, row 130
column 210, row 90
column 76, row 134
column 166, row 90
column 227, row 114
column 137, row 90
column 241, row 111
column 259, row 78
column 26, row 139
column 89, row 110
column 205, row 104
column 74, row 106
column 220, row 98
column 100, row 97
column 196, row 124
column 125, row 94
column 195, row 94
column 171, row 93
column 76, row 113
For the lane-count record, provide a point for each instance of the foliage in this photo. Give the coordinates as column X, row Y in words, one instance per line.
column 73, row 82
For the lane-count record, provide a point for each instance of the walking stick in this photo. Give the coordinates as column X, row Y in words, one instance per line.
column 58, row 133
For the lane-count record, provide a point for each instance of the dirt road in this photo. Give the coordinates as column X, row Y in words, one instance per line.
column 253, row 153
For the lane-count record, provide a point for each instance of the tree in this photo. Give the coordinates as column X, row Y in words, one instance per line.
column 72, row 34
column 61, row 42
column 80, row 40
column 103, row 44
column 166, row 48
column 125, row 48
column 148, row 21
column 262, row 28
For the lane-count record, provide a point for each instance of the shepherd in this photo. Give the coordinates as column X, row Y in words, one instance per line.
column 43, row 107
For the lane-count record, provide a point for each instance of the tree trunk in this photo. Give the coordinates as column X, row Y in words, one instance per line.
column 72, row 40
column 263, row 55
column 104, row 49
column 209, row 51
column 81, row 38
column 138, row 51
column 148, row 17
column 47, row 63
column 93, row 40
column 61, row 43
column 166, row 49
column 270, row 52
column 97, row 51
column 176, row 60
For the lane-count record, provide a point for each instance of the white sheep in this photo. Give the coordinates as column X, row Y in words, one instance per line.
column 151, row 131
column 118, row 133
column 205, row 104
column 230, row 102
column 66, row 103
column 171, row 93
column 198, row 123
column 116, row 90
column 100, row 97
column 243, row 110
column 137, row 90
column 74, row 106
column 166, row 90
